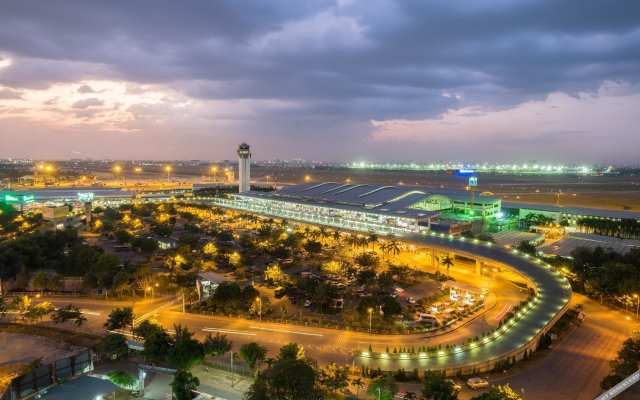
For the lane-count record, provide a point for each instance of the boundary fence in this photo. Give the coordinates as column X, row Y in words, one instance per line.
column 47, row 375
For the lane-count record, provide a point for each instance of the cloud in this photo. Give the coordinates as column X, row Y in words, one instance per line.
column 86, row 89
column 87, row 103
column 292, row 76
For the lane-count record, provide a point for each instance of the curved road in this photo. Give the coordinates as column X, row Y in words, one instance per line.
column 335, row 345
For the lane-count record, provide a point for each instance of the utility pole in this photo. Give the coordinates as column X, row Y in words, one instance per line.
column 183, row 311
column 231, row 368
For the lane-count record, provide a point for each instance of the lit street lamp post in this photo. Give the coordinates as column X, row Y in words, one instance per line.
column 370, row 316
column 138, row 170
column 259, row 300
column 117, row 168
column 168, row 170
column 638, row 304
column 214, row 170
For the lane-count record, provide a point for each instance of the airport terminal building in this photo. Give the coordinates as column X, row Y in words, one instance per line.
column 363, row 207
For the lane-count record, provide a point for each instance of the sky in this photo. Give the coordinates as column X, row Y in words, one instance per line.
column 342, row 80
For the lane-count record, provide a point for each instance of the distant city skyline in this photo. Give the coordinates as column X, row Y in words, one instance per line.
column 343, row 80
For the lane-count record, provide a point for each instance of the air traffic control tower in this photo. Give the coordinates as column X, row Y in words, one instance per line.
column 244, row 173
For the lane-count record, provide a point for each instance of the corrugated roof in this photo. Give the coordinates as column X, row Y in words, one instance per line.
column 384, row 210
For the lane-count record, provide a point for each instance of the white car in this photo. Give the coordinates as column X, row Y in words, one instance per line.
column 308, row 303
column 411, row 300
column 477, row 383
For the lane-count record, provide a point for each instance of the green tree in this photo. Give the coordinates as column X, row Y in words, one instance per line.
column 253, row 353
column 358, row 383
column 527, row 248
column 113, row 345
column 384, row 387
column 186, row 352
column 122, row 236
column 122, row 283
column 499, row 393
column 626, row 363
column 68, row 312
column 157, row 344
column 216, row 345
column 436, row 387
column 183, row 384
column 40, row 281
column 447, row 262
column 335, row 377
column 146, row 328
column 23, row 277
column 120, row 318
column 4, row 308
column 144, row 244
column 288, row 377
column 273, row 274
column 312, row 247
column 122, row 378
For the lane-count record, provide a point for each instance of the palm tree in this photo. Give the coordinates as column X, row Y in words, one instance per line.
column 373, row 238
column 323, row 233
column 393, row 247
column 337, row 237
column 384, row 248
column 359, row 384
column 447, row 262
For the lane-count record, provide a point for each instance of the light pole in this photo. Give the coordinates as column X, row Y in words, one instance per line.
column 370, row 316
column 168, row 170
column 231, row 352
column 214, row 169
column 638, row 306
column 117, row 168
column 138, row 170
column 259, row 300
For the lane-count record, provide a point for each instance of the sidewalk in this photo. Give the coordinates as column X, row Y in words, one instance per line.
column 218, row 383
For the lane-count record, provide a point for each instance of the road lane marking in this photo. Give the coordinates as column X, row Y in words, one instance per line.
column 232, row 332
column 286, row 331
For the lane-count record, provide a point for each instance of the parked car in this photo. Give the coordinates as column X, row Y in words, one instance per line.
column 411, row 300
column 477, row 383
column 455, row 386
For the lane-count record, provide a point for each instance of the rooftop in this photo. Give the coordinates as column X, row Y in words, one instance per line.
column 592, row 212
column 373, row 199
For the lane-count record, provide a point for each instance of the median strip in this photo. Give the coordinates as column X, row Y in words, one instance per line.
column 286, row 331
column 228, row 331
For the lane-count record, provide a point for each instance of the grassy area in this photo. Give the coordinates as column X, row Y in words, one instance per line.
column 64, row 335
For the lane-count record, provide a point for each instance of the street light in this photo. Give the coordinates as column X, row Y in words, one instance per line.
column 258, row 299
column 214, row 169
column 638, row 306
column 168, row 170
column 117, row 168
column 370, row 316
column 307, row 178
column 138, row 170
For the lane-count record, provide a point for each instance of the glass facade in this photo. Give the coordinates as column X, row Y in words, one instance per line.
column 357, row 220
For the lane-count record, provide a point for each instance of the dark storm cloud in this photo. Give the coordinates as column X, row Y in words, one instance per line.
column 341, row 63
